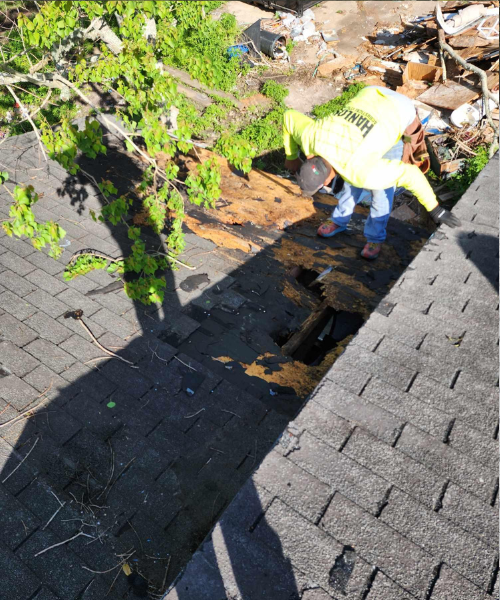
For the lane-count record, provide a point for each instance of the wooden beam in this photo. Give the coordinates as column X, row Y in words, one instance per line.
column 187, row 80
column 307, row 328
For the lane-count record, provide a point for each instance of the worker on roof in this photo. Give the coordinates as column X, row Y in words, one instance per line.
column 375, row 143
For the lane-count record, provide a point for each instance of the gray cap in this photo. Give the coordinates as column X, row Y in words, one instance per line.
column 312, row 175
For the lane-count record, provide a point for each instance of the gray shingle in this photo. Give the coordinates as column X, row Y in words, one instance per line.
column 371, row 362
column 444, row 460
column 401, row 560
column 436, row 535
column 41, row 279
column 471, row 514
column 16, row 392
column 14, row 331
column 15, row 263
column 16, row 284
column 478, row 446
column 478, row 409
column 395, row 467
column 48, row 328
column 17, row 578
column 450, row 586
column 294, row 486
column 307, row 547
column 44, row 301
column 16, row 360
column 359, row 412
column 323, row 424
column 52, row 356
column 17, row 307
column 340, row 472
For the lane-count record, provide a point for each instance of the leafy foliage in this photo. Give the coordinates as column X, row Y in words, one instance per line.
column 63, row 144
column 186, row 37
column 266, row 133
column 22, row 221
column 462, row 180
column 204, row 188
column 238, row 151
column 336, row 104
column 274, row 90
column 84, row 264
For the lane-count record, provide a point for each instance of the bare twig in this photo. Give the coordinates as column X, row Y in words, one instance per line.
column 194, row 414
column 53, row 516
column 113, row 583
column 23, row 108
column 94, row 339
column 31, row 450
column 185, row 364
column 176, row 260
column 109, row 570
column 80, row 533
column 118, row 477
column 165, row 576
column 230, row 412
column 60, row 503
column 137, row 535
column 487, row 95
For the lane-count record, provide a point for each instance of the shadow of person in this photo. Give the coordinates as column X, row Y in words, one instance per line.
column 242, row 558
column 482, row 250
column 116, row 469
column 114, row 465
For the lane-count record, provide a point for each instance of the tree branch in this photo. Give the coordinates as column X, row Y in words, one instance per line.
column 487, row 95
column 28, row 116
column 42, row 79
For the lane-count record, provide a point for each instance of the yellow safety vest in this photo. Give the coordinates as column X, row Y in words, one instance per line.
column 354, row 141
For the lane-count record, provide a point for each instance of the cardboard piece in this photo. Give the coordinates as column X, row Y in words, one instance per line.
column 422, row 72
column 449, row 95
column 327, row 69
column 412, row 89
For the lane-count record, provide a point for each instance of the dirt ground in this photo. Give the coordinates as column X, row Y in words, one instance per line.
column 352, row 21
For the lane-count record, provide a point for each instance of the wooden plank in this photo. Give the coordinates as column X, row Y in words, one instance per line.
column 199, row 98
column 307, row 328
column 188, row 80
column 449, row 95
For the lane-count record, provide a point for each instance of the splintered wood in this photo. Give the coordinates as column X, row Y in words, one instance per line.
column 259, row 198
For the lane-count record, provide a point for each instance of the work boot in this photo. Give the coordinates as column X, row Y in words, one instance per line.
column 371, row 250
column 329, row 229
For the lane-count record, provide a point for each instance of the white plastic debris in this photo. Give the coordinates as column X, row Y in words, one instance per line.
column 301, row 29
column 9, row 116
column 465, row 115
column 189, row 391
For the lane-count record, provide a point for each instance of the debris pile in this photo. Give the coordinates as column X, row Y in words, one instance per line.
column 448, row 64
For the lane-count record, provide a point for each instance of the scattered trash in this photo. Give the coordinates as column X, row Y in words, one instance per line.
column 467, row 114
column 237, row 50
column 356, row 71
column 329, row 36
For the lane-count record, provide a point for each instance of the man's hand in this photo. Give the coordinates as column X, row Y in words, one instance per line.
column 293, row 165
column 441, row 215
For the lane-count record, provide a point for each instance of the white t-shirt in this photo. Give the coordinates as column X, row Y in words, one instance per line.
column 406, row 109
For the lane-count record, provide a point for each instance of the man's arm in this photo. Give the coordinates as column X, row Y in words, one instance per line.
column 387, row 173
column 294, row 124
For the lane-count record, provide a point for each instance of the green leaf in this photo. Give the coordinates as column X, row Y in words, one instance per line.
column 111, row 404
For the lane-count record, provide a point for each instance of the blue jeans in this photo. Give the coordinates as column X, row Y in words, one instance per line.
column 381, row 205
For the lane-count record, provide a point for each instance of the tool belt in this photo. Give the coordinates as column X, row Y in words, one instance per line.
column 414, row 149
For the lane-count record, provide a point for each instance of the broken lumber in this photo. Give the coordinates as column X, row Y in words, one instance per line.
column 186, row 79
column 313, row 321
column 449, row 95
